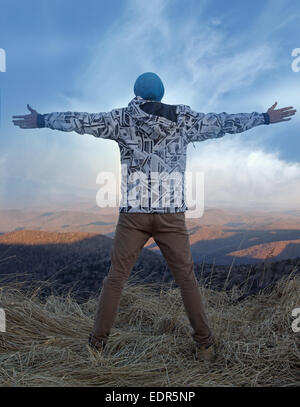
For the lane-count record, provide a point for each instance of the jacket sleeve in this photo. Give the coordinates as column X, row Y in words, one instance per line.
column 200, row 126
column 105, row 125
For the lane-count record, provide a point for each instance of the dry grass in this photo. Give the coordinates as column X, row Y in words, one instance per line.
column 150, row 343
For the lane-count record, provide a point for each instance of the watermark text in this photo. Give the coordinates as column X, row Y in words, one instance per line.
column 159, row 191
column 2, row 60
column 2, row 320
column 296, row 322
column 296, row 62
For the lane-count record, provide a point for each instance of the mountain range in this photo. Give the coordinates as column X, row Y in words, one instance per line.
column 220, row 236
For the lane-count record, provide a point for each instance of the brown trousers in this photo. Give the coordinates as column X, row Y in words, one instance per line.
column 170, row 234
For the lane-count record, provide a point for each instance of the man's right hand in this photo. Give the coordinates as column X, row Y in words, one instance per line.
column 280, row 115
column 29, row 121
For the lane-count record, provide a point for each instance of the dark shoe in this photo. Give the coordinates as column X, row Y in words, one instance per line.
column 206, row 353
column 96, row 344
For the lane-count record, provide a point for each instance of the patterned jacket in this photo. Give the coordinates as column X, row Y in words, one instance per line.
column 153, row 141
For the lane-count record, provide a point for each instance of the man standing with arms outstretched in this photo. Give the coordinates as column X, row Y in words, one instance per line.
column 153, row 138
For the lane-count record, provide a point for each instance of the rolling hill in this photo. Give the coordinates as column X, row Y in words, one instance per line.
column 79, row 261
column 219, row 236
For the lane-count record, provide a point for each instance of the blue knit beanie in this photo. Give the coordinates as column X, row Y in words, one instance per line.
column 149, row 86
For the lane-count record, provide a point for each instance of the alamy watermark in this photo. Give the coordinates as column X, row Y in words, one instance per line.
column 296, row 62
column 158, row 190
column 2, row 69
column 2, row 320
column 296, row 322
column 2, row 60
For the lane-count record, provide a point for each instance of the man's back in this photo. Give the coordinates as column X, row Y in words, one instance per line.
column 153, row 156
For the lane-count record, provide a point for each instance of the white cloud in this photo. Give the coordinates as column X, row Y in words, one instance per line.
column 275, row 16
column 243, row 175
column 197, row 61
column 129, row 47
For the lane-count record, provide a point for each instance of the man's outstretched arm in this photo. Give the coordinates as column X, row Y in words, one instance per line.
column 104, row 125
column 200, row 126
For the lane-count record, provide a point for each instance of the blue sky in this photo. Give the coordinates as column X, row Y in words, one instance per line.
column 215, row 56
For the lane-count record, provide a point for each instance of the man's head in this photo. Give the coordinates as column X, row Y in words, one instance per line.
column 149, row 86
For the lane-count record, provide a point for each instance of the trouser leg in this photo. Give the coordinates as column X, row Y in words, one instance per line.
column 132, row 232
column 172, row 237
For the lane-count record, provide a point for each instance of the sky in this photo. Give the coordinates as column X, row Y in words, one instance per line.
column 212, row 55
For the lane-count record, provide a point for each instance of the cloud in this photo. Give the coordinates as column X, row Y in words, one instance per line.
column 196, row 58
column 274, row 17
column 243, row 175
column 135, row 42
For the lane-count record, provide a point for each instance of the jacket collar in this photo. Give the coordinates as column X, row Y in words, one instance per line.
column 137, row 101
column 134, row 106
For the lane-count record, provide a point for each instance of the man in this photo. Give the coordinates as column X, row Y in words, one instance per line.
column 153, row 138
